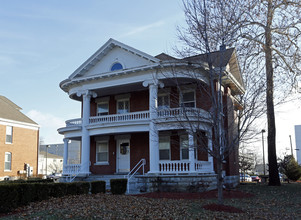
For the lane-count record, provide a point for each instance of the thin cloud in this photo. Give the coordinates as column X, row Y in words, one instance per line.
column 143, row 28
column 49, row 125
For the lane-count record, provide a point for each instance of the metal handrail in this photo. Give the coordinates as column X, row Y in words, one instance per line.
column 140, row 164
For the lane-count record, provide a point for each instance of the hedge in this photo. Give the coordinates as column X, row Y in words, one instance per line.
column 20, row 194
column 118, row 186
column 98, row 187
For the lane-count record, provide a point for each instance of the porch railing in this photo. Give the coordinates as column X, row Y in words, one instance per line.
column 132, row 116
column 174, row 167
column 178, row 167
column 174, row 112
column 74, row 122
column 142, row 115
column 71, row 171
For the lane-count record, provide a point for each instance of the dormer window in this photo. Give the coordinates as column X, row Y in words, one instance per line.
column 116, row 66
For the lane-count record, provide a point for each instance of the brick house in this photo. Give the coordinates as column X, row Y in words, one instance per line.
column 132, row 104
column 19, row 137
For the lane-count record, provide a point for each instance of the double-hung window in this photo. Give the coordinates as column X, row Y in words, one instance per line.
column 102, row 108
column 163, row 101
column 9, row 135
column 102, row 152
column 123, row 106
column 7, row 161
column 164, row 148
column 184, row 146
column 188, row 99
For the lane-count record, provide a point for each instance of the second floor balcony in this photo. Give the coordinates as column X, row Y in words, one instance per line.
column 172, row 115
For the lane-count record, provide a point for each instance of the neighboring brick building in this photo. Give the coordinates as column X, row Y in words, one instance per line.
column 136, row 106
column 19, row 137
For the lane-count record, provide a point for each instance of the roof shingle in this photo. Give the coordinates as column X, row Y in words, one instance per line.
column 11, row 111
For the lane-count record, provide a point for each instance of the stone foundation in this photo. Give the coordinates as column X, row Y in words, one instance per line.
column 176, row 183
column 231, row 182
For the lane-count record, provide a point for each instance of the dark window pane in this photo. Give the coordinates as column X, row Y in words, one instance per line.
column 164, row 154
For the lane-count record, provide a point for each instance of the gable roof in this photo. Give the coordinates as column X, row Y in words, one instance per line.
column 164, row 56
column 105, row 49
column 218, row 59
column 221, row 59
column 10, row 111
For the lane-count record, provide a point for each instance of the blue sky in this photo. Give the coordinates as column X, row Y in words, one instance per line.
column 43, row 42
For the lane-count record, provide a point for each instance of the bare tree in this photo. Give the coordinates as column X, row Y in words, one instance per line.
column 271, row 31
column 208, row 27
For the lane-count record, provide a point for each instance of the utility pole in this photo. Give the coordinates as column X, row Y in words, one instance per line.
column 291, row 145
column 262, row 131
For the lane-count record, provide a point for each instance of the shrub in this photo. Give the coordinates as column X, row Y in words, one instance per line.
column 77, row 188
column 9, row 198
column 57, row 189
column 118, row 186
column 290, row 168
column 82, row 187
column 26, row 193
column 98, row 187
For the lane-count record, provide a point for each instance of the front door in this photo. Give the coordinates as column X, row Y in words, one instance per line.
column 123, row 156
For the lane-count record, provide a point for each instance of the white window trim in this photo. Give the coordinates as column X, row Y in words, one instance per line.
column 169, row 148
column 122, row 100
column 186, row 91
column 181, row 138
column 164, row 94
column 10, row 161
column 12, row 132
column 103, row 102
column 105, row 162
column 195, row 149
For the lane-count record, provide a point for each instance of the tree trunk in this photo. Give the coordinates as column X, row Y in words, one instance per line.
column 273, row 168
column 219, row 167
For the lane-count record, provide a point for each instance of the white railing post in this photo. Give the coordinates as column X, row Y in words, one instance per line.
column 140, row 164
column 191, row 153
column 65, row 159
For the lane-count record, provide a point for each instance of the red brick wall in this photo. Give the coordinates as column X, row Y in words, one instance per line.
column 203, row 97
column 139, row 101
column 24, row 149
column 139, row 149
column 103, row 169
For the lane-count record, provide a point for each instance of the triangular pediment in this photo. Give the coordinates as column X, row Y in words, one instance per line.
column 110, row 53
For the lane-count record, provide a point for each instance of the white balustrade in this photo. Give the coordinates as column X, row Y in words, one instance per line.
column 174, row 112
column 74, row 122
column 142, row 115
column 174, row 166
column 72, row 169
column 132, row 116
column 203, row 166
column 178, row 167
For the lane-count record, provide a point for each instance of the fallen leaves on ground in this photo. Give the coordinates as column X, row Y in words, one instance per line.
column 268, row 203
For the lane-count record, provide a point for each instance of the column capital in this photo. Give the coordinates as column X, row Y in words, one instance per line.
column 86, row 93
column 66, row 140
column 155, row 82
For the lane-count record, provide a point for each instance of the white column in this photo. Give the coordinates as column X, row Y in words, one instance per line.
column 85, row 149
column 191, row 152
column 65, row 158
column 210, row 158
column 153, row 132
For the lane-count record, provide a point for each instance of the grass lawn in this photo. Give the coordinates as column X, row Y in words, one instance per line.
column 268, row 203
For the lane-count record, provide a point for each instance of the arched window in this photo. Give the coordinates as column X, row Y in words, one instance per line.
column 116, row 66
